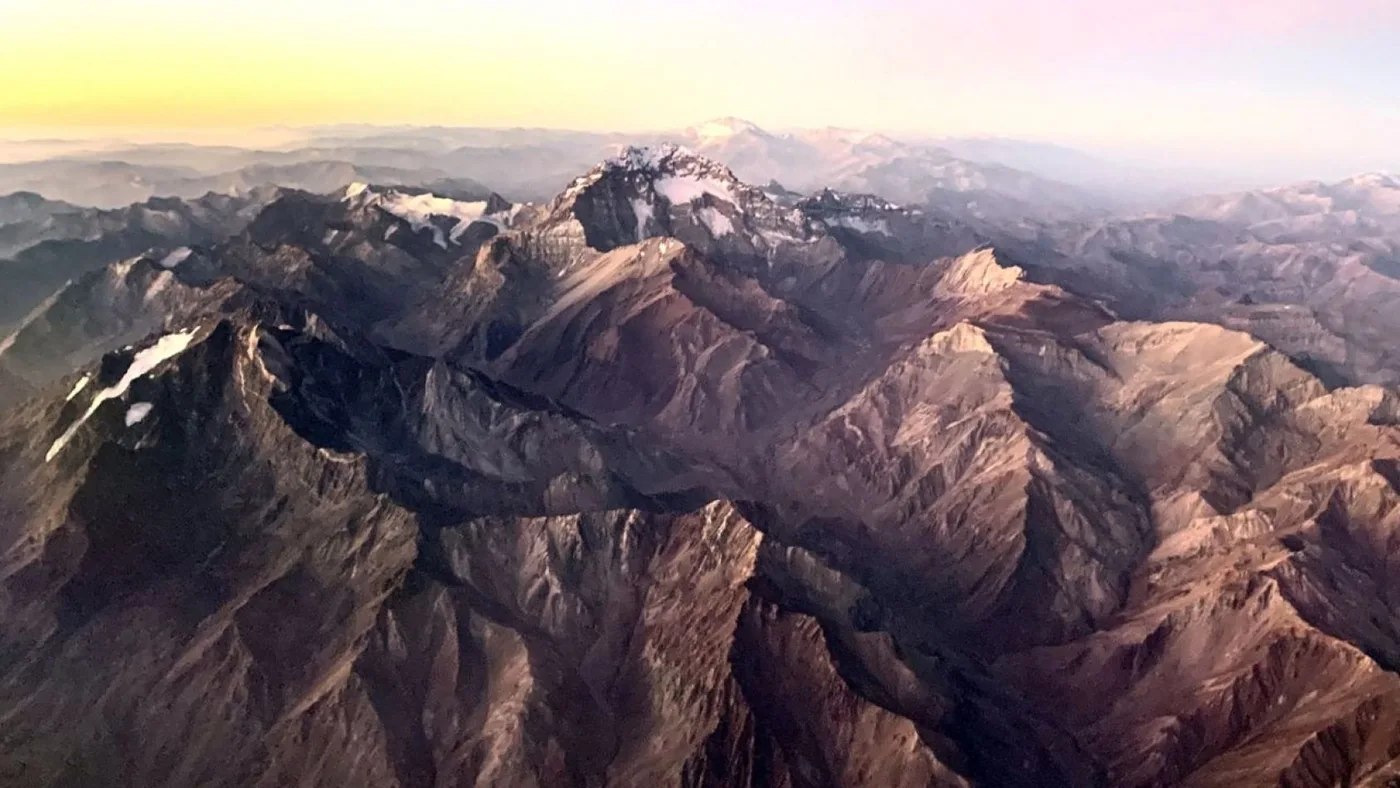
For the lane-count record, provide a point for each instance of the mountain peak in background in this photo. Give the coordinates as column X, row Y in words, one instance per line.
column 721, row 128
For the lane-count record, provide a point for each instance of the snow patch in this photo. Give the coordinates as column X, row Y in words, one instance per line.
column 461, row 228
column 158, row 286
column 680, row 190
column 718, row 223
column 724, row 128
column 355, row 190
column 34, row 314
column 138, row 412
column 645, row 213
column 165, row 348
column 860, row 224
column 775, row 237
column 389, row 233
column 176, row 257
column 714, row 130
column 419, row 209
column 78, row 387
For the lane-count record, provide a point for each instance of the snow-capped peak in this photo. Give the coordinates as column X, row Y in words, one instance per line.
column 666, row 161
column 656, row 157
column 420, row 209
column 668, row 189
column 680, row 177
column 724, row 128
column 1374, row 180
column 176, row 257
column 670, row 171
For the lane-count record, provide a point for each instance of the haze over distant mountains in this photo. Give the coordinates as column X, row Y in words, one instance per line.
column 531, row 164
column 458, row 457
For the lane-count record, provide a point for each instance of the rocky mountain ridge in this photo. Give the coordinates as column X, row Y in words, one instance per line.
column 1310, row 268
column 535, row 164
column 51, row 243
column 666, row 482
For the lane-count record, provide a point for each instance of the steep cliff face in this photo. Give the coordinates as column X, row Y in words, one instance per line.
column 594, row 496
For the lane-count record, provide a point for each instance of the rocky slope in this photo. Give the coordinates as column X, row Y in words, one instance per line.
column 1312, row 269
column 372, row 250
column 669, row 483
column 50, row 243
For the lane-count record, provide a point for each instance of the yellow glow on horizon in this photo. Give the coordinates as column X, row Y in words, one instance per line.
column 297, row 62
column 611, row 65
column 937, row 66
column 158, row 77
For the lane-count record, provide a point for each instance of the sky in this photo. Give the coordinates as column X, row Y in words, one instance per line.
column 1234, row 81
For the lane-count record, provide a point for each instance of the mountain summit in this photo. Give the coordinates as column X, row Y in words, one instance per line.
column 723, row 128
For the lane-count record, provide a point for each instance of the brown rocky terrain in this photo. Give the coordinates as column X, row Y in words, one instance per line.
column 667, row 484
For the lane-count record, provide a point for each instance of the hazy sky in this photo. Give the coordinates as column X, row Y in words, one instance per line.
column 1233, row 79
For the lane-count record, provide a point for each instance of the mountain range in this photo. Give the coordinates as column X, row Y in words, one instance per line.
column 1311, row 268
column 532, row 165
column 707, row 470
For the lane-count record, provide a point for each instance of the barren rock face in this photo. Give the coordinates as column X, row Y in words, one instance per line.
column 667, row 484
column 1309, row 268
